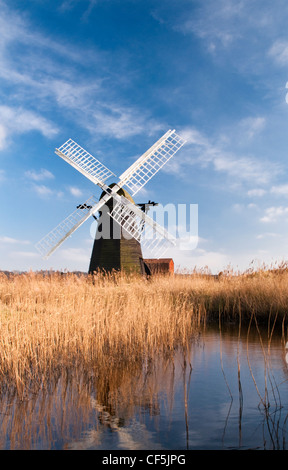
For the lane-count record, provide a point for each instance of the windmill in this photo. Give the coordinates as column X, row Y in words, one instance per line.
column 131, row 219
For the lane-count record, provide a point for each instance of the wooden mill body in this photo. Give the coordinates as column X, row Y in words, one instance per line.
column 117, row 252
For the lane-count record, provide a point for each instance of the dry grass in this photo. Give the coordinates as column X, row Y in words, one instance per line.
column 60, row 322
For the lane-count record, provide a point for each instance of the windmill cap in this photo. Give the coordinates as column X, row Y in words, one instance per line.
column 121, row 192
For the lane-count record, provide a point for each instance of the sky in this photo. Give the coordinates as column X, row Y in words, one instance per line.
column 115, row 75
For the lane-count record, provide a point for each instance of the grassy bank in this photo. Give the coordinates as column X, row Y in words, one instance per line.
column 55, row 322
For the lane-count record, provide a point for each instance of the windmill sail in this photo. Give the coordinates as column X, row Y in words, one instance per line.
column 48, row 244
column 138, row 174
column 84, row 162
column 128, row 215
column 157, row 246
column 131, row 219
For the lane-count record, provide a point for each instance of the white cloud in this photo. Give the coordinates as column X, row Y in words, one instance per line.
column 75, row 191
column 279, row 52
column 20, row 121
column 44, row 191
column 16, row 28
column 238, row 207
column 13, row 241
column 24, row 254
column 252, row 206
column 225, row 22
column 40, row 175
column 193, row 136
column 69, row 4
column 119, row 121
column 281, row 190
column 258, row 192
column 272, row 214
column 242, row 168
column 200, row 259
column 72, row 95
column 3, row 136
column 252, row 125
column 219, row 22
column 211, row 22
column 203, row 152
column 75, row 254
column 94, row 105
column 267, row 235
column 238, row 32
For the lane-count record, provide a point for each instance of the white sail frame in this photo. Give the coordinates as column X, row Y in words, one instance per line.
column 84, row 162
column 128, row 215
column 138, row 174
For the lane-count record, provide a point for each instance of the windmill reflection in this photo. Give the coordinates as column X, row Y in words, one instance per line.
column 106, row 401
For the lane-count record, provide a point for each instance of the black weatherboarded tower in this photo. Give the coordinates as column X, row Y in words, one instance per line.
column 117, row 251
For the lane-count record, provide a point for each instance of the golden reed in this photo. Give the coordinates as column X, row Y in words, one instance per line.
column 54, row 322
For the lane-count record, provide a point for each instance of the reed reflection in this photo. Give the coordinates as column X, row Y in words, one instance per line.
column 225, row 390
column 81, row 410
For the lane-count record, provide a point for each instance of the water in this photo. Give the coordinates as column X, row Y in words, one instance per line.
column 223, row 392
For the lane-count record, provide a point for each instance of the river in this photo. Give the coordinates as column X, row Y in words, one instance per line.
column 227, row 390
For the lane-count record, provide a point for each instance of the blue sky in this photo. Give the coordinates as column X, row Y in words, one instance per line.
column 115, row 75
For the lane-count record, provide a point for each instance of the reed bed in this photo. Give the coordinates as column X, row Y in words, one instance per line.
column 55, row 322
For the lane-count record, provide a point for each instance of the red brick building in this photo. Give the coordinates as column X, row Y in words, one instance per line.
column 160, row 266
